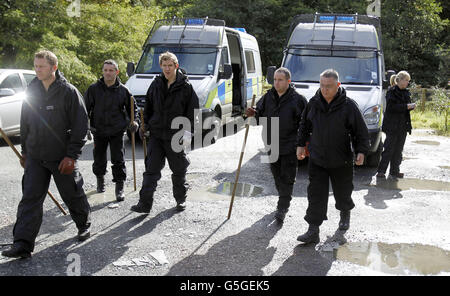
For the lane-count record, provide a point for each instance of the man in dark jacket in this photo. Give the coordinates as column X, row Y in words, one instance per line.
column 53, row 126
column 283, row 103
column 332, row 123
column 108, row 103
column 170, row 96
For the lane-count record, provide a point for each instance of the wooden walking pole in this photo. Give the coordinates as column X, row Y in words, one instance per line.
column 5, row 137
column 144, row 140
column 132, row 141
column 240, row 163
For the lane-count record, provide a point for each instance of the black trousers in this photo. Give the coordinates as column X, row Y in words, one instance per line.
column 318, row 188
column 35, row 183
column 157, row 152
column 284, row 171
column 392, row 152
column 117, row 150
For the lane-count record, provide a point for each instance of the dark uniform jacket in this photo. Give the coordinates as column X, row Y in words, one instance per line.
column 331, row 129
column 289, row 110
column 397, row 116
column 109, row 108
column 163, row 104
column 53, row 123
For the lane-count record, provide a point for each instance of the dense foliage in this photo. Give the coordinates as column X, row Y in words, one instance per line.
column 415, row 32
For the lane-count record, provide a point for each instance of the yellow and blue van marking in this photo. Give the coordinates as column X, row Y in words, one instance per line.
column 224, row 91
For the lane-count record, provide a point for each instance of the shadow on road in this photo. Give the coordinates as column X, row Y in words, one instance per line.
column 101, row 250
column 242, row 254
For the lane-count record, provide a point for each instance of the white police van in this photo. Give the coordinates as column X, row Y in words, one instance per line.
column 223, row 65
column 350, row 44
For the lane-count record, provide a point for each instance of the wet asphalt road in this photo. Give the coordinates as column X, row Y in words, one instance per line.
column 397, row 228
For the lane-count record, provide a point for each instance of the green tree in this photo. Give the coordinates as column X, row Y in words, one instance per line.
column 412, row 32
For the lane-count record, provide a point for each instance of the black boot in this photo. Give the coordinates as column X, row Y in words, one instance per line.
column 83, row 234
column 311, row 236
column 280, row 214
column 181, row 206
column 344, row 223
column 16, row 251
column 100, row 184
column 120, row 195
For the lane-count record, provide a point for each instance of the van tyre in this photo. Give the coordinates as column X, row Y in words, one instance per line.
column 216, row 126
column 374, row 159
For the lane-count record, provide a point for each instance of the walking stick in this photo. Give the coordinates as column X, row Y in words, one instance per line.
column 144, row 140
column 132, row 141
column 247, row 126
column 5, row 137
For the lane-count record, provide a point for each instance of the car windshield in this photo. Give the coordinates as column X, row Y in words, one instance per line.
column 354, row 67
column 193, row 60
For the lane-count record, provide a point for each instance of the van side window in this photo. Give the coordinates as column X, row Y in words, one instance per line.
column 13, row 81
column 250, row 61
column 223, row 58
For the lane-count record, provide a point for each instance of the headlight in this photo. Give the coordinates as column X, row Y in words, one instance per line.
column 372, row 115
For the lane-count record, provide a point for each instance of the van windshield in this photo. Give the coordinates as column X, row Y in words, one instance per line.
column 194, row 60
column 354, row 67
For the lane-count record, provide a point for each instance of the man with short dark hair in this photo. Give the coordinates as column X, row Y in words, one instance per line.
column 108, row 103
column 285, row 104
column 170, row 96
column 53, row 127
column 332, row 123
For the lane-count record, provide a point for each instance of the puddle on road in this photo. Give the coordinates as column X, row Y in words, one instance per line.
column 224, row 191
column 242, row 189
column 431, row 143
column 396, row 258
column 410, row 183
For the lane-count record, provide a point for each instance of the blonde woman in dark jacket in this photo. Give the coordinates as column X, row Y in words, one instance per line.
column 397, row 122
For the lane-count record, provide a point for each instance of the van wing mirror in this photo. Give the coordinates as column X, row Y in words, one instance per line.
column 387, row 82
column 226, row 72
column 270, row 74
column 5, row 92
column 130, row 69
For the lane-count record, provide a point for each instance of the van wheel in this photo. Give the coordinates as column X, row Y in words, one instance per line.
column 374, row 159
column 215, row 129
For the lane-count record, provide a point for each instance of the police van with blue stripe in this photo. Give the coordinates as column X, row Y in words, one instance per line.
column 223, row 65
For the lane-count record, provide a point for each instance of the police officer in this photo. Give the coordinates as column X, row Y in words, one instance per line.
column 169, row 96
column 332, row 123
column 109, row 109
column 396, row 123
column 52, row 130
column 284, row 103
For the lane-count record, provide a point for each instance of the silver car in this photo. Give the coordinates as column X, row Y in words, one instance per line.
column 13, row 83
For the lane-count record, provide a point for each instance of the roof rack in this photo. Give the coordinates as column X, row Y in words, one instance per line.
column 199, row 23
column 334, row 19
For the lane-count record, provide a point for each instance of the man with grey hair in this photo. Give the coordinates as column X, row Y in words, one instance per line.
column 109, row 108
column 332, row 124
column 283, row 103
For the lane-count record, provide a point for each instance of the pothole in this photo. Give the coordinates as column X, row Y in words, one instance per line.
column 396, row 258
column 410, row 183
column 425, row 142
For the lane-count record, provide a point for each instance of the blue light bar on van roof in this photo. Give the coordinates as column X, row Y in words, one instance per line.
column 342, row 19
column 240, row 30
column 194, row 21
